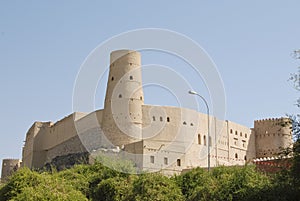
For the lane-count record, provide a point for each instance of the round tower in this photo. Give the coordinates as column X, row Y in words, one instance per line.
column 9, row 166
column 272, row 136
column 122, row 116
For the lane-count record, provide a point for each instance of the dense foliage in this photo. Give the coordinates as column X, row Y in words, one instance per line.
column 97, row 182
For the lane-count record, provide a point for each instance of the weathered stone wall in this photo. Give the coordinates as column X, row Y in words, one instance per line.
column 8, row 167
column 272, row 135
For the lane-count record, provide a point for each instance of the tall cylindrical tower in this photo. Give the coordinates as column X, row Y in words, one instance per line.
column 272, row 136
column 122, row 116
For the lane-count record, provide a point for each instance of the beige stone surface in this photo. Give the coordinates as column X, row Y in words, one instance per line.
column 155, row 138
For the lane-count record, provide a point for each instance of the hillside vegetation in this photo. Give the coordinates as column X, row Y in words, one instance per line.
column 97, row 182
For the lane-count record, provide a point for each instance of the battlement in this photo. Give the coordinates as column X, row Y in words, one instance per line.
column 272, row 120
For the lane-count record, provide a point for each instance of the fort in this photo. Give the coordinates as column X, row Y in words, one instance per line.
column 155, row 138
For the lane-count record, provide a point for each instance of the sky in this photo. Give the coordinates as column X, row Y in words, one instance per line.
column 44, row 43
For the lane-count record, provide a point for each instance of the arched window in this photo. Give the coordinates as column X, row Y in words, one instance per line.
column 231, row 131
column 153, row 118
column 178, row 162
column 168, row 119
column 236, row 132
column 112, row 78
column 199, row 139
column 245, row 158
column 236, row 155
column 204, row 140
column 241, row 134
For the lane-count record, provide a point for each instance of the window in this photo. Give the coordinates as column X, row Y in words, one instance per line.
column 130, row 64
column 168, row 119
column 236, row 132
column 153, row 118
column 236, row 155
column 141, row 97
column 184, row 123
column 112, row 78
column 151, row 159
column 160, row 118
column 241, row 134
column 245, row 157
column 130, row 77
column 204, row 140
column 120, row 95
column 165, row 160
column 245, row 135
column 231, row 131
column 192, row 124
column 178, row 162
column 199, row 139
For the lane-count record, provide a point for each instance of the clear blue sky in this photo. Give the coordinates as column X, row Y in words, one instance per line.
column 43, row 44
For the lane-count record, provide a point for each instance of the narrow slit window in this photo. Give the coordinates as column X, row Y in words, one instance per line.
column 168, row 119
column 199, row 139
column 131, row 77
column 178, row 162
column 160, row 118
column 204, row 140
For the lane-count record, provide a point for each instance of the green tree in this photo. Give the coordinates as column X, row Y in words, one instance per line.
column 155, row 186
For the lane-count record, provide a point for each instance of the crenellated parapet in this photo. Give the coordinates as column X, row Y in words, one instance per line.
column 272, row 136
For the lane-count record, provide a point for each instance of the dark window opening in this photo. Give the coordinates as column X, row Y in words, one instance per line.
column 184, row 123
column 178, row 162
column 166, row 161
column 112, row 78
column 199, row 139
column 153, row 118
column 130, row 77
column 151, row 159
column 120, row 95
column 168, row 119
column 160, row 118
column 204, row 140
column 236, row 155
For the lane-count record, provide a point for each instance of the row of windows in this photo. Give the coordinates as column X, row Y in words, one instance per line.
column 236, row 133
column 120, row 96
column 184, row 123
column 166, row 162
column 236, row 142
column 237, row 156
column 204, row 140
column 160, row 118
column 265, row 135
column 130, row 78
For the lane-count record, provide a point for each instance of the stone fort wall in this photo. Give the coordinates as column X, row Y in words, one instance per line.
column 168, row 138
